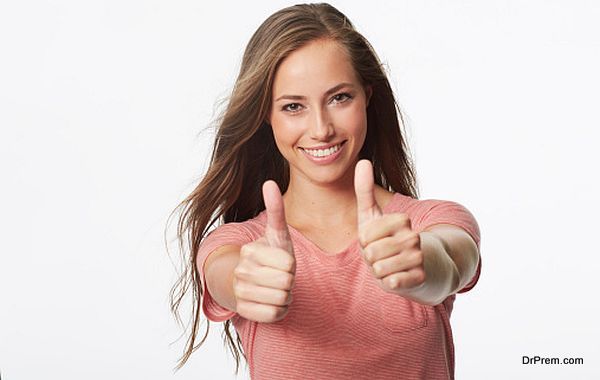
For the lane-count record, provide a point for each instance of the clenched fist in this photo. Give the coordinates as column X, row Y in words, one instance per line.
column 264, row 277
column 389, row 246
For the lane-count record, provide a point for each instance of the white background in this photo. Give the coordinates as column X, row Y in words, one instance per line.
column 101, row 108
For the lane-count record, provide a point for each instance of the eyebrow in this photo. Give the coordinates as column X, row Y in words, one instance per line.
column 328, row 92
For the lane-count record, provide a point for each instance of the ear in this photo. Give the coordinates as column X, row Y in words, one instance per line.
column 368, row 93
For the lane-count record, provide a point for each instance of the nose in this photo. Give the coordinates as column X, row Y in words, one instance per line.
column 322, row 127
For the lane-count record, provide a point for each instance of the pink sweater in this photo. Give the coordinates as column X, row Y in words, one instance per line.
column 341, row 325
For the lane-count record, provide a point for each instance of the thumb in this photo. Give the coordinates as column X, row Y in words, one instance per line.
column 364, row 187
column 276, row 232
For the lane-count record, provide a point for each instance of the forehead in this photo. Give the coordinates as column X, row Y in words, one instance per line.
column 316, row 66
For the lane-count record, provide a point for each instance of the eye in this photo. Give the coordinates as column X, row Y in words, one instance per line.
column 291, row 108
column 342, row 97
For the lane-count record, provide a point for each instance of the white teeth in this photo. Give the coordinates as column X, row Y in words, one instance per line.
column 321, row 152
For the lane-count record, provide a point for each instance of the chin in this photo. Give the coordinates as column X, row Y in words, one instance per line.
column 331, row 176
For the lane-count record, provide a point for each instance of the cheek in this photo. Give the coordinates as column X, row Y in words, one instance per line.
column 285, row 132
column 355, row 121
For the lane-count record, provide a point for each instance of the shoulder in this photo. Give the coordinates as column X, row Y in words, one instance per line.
column 424, row 213
column 410, row 205
column 428, row 212
column 251, row 228
column 232, row 233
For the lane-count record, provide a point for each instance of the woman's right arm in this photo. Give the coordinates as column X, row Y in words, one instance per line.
column 218, row 272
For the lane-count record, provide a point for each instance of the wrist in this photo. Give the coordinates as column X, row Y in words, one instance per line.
column 441, row 274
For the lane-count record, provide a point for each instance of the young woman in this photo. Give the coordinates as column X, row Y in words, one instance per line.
column 347, row 275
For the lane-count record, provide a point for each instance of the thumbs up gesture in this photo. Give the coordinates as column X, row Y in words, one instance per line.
column 389, row 246
column 264, row 276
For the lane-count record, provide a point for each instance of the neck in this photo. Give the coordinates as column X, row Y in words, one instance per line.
column 322, row 205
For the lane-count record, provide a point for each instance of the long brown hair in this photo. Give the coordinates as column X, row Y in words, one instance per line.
column 244, row 153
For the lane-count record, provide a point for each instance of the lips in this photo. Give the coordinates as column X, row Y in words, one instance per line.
column 324, row 151
column 324, row 156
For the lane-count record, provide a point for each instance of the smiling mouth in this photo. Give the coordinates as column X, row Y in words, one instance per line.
column 324, row 152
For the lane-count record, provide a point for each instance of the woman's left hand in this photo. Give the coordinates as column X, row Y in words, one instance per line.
column 388, row 244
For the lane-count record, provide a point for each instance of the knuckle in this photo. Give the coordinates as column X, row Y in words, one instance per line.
column 362, row 238
column 369, row 255
column 284, row 298
column 271, row 313
column 246, row 251
column 410, row 239
column 398, row 239
column 420, row 276
column 287, row 281
column 247, row 309
column 419, row 258
column 240, row 308
column 290, row 263
column 239, row 291
column 392, row 282
column 397, row 218
column 276, row 313
column 239, row 272
column 280, row 312
column 401, row 219
column 414, row 237
column 377, row 269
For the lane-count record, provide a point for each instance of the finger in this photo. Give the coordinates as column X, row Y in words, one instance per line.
column 387, row 225
column 389, row 246
column 276, row 232
column 404, row 261
column 261, row 294
column 274, row 206
column 364, row 187
column 264, row 255
column 259, row 312
column 405, row 280
column 265, row 276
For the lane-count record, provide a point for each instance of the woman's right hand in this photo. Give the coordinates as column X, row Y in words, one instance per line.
column 264, row 277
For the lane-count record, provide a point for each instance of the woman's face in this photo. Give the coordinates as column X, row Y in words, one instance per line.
column 319, row 113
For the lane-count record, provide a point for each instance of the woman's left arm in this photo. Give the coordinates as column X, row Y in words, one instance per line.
column 450, row 259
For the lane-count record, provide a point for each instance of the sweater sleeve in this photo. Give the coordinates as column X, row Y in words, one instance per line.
column 448, row 212
column 229, row 233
